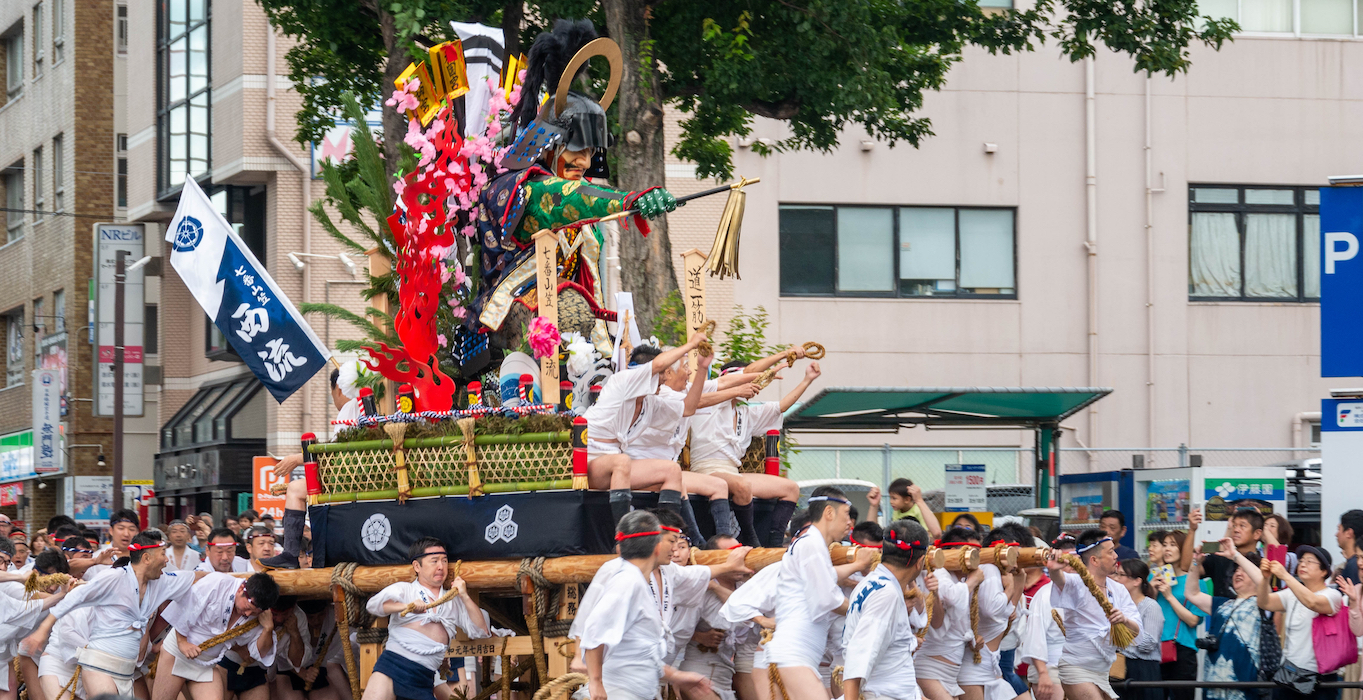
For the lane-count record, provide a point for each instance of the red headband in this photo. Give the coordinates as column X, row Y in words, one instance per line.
column 222, row 544
column 140, row 547
column 868, row 546
column 671, row 529
column 939, row 543
column 620, row 536
column 901, row 544
column 740, row 544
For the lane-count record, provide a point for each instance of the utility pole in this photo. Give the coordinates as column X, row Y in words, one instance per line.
column 120, row 276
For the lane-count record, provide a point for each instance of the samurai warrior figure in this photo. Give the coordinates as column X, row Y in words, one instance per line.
column 557, row 146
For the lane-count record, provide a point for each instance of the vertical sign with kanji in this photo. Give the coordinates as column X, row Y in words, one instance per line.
column 693, row 292
column 546, row 292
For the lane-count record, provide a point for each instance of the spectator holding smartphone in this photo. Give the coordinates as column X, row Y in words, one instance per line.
column 1232, row 639
column 1245, row 530
column 1278, row 532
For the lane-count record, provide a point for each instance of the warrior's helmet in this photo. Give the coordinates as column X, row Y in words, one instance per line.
column 568, row 119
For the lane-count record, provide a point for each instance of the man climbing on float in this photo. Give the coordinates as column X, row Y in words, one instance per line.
column 720, row 436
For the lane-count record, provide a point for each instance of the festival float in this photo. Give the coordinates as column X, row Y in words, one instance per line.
column 486, row 340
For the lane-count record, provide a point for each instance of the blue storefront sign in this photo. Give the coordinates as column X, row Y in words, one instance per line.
column 1341, row 282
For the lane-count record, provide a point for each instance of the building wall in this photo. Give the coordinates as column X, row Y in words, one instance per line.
column 74, row 98
column 1272, row 111
column 242, row 155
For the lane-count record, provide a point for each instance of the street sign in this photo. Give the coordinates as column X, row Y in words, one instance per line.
column 965, row 488
column 47, row 416
column 109, row 239
column 1341, row 282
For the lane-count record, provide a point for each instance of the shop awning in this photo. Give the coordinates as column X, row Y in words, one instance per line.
column 886, row 409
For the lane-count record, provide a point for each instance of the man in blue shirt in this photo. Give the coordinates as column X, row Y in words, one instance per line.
column 1113, row 523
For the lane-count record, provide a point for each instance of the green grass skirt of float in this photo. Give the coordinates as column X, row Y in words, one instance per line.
column 461, row 490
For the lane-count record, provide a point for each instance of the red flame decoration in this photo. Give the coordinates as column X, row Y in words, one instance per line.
column 425, row 226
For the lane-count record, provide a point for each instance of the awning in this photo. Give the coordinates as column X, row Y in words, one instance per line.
column 886, row 409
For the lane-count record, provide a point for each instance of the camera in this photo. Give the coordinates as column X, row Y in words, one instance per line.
column 1208, row 643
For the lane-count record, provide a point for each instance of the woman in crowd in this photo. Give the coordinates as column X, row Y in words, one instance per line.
column 966, row 521
column 1178, row 643
column 1233, row 628
column 1305, row 597
column 1278, row 531
column 1142, row 655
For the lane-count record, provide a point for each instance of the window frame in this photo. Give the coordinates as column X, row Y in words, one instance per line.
column 1296, row 30
column 37, row 172
column 165, row 190
column 12, row 39
column 58, row 31
column 14, row 221
column 1299, row 208
column 121, row 28
column 38, row 53
column 895, row 250
column 58, row 173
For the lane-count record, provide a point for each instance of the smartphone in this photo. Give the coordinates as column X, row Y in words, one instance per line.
column 1276, row 552
column 1211, row 547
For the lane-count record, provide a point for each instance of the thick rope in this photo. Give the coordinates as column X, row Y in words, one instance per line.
column 70, row 687
column 975, row 625
column 532, row 625
column 19, row 678
column 506, row 671
column 1120, row 635
column 705, row 348
column 931, row 600
column 231, row 634
column 565, row 683
column 341, row 575
column 1059, row 621
column 445, row 597
column 546, row 598
column 35, row 583
column 778, row 686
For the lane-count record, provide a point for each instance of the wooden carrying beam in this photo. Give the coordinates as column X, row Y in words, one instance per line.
column 316, row 583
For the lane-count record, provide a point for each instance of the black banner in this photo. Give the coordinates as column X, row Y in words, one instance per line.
column 497, row 526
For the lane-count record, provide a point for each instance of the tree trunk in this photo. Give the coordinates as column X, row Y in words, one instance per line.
column 394, row 124
column 513, row 14
column 645, row 263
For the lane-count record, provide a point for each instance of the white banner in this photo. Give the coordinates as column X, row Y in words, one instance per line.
column 109, row 239
column 47, row 415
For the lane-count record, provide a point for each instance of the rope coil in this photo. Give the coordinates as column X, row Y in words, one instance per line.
column 706, row 347
column 36, row 583
column 566, row 683
column 1059, row 621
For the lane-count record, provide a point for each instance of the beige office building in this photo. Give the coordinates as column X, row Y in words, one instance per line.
column 1075, row 224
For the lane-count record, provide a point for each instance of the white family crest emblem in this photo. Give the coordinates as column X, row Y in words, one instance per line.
column 503, row 528
column 375, row 532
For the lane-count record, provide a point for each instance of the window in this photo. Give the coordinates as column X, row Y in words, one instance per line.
column 942, row 251
column 40, row 329
column 14, row 202
column 14, row 61
column 58, row 173
column 121, row 174
column 59, row 311
column 150, row 329
column 1253, row 243
column 122, row 22
column 58, row 31
column 1300, row 17
column 37, row 41
column 14, row 347
column 37, row 171
column 183, row 118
